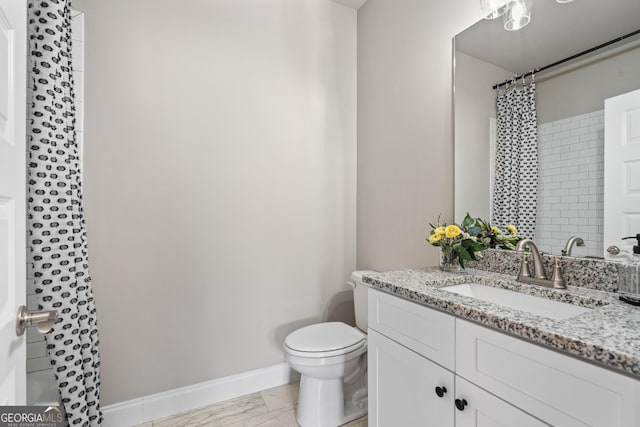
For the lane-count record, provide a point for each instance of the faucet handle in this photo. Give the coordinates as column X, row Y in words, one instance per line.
column 524, row 267
column 556, row 277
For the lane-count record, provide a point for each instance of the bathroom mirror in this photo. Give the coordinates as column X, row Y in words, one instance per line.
column 570, row 109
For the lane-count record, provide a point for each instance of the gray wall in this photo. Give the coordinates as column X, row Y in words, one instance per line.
column 220, row 186
column 220, row 177
column 475, row 105
column 405, row 147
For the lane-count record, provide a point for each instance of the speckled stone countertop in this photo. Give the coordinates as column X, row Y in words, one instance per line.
column 609, row 334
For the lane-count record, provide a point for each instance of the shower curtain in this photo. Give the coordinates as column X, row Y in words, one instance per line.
column 516, row 178
column 57, row 236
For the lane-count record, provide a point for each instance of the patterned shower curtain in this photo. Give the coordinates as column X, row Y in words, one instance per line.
column 57, row 236
column 516, row 178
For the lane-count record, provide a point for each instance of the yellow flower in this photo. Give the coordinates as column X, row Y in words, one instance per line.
column 512, row 229
column 440, row 231
column 452, row 231
column 495, row 230
column 435, row 238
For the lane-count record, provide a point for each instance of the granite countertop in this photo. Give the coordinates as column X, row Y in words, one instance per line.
column 609, row 334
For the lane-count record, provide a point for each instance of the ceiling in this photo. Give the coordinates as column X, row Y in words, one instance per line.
column 562, row 29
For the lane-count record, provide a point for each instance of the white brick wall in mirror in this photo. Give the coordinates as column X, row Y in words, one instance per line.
column 571, row 183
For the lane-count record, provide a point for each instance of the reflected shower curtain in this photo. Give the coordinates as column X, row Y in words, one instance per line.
column 57, row 236
column 516, row 178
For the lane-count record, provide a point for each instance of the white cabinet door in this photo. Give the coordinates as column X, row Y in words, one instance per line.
column 402, row 387
column 482, row 409
column 13, row 72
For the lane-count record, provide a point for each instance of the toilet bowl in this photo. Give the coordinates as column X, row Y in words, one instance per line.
column 331, row 358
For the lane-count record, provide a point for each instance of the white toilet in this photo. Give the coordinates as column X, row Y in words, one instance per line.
column 332, row 360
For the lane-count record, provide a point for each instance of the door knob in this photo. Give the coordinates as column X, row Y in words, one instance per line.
column 43, row 319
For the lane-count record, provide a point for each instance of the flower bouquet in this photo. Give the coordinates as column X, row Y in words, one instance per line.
column 460, row 243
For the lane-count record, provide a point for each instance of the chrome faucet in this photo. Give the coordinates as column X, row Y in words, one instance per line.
column 539, row 276
column 573, row 240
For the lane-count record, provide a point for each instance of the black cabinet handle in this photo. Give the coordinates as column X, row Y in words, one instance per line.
column 460, row 404
column 441, row 391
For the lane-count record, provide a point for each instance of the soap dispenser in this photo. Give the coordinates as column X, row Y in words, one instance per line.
column 629, row 283
column 636, row 247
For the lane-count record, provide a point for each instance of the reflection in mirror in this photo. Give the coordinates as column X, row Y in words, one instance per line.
column 570, row 112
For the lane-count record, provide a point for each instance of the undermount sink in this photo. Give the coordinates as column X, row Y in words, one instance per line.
column 529, row 303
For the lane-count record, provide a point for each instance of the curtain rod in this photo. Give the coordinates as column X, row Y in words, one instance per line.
column 562, row 61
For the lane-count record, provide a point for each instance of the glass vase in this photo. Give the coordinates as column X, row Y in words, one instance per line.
column 449, row 259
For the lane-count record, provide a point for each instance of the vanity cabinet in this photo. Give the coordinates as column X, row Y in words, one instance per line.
column 406, row 389
column 411, row 351
column 427, row 368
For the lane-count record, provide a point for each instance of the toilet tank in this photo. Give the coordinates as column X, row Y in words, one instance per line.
column 360, row 300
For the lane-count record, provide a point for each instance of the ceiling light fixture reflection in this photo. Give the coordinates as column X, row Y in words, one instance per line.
column 518, row 15
column 492, row 9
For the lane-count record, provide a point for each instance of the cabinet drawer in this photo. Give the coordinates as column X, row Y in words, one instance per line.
column 558, row 389
column 423, row 330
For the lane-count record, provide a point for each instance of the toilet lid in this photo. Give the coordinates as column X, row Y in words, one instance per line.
column 325, row 337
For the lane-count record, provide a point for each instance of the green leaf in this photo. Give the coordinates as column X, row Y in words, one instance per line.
column 465, row 255
column 466, row 244
column 477, row 247
column 474, row 231
column 468, row 221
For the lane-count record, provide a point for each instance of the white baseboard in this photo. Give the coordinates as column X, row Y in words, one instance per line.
column 171, row 402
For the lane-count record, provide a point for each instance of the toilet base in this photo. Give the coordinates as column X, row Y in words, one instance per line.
column 322, row 404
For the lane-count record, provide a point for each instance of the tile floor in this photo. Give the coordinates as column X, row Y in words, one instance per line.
column 275, row 407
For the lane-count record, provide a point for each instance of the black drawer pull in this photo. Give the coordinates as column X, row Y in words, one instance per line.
column 460, row 404
column 441, row 391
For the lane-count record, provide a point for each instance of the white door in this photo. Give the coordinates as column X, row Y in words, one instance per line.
column 13, row 59
column 402, row 387
column 621, row 169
